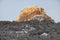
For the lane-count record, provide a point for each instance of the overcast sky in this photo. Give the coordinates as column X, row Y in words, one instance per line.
column 9, row 9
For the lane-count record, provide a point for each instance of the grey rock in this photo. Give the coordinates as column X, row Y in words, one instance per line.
column 30, row 30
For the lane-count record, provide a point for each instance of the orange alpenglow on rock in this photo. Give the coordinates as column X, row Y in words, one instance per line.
column 27, row 13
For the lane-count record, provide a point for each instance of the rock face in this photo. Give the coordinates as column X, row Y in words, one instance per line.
column 29, row 30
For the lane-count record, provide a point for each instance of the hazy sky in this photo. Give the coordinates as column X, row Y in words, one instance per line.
column 9, row 9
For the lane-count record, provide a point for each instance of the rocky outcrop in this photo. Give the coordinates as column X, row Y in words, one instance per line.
column 42, row 18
